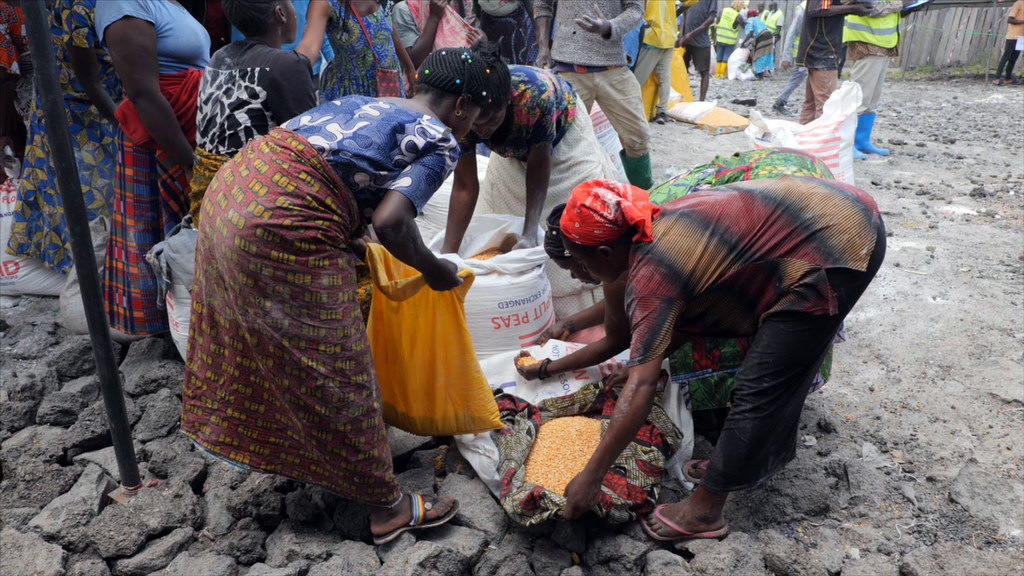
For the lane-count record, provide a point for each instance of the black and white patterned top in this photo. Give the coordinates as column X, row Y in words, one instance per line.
column 249, row 88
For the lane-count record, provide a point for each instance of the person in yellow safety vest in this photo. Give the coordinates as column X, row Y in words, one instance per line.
column 871, row 41
column 727, row 33
column 774, row 19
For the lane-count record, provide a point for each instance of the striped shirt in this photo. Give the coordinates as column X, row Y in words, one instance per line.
column 723, row 259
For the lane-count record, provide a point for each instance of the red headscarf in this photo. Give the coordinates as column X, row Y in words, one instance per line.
column 601, row 211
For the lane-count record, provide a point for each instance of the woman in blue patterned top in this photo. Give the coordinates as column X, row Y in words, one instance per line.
column 279, row 372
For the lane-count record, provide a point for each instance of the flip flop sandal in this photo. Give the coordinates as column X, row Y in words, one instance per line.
column 695, row 466
column 420, row 507
column 654, row 535
column 682, row 534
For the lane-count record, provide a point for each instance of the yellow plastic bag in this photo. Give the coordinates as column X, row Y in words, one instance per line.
column 430, row 381
column 650, row 91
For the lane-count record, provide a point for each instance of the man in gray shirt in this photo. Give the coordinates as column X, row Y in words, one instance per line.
column 588, row 53
column 697, row 19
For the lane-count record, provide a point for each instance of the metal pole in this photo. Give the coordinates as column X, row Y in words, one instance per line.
column 62, row 157
column 988, row 57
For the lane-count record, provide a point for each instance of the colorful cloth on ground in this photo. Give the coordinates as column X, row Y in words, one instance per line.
column 39, row 230
column 150, row 199
column 601, row 211
column 741, row 166
column 353, row 72
column 376, row 147
column 629, row 490
column 203, row 171
column 279, row 373
column 724, row 259
column 513, row 32
column 541, row 109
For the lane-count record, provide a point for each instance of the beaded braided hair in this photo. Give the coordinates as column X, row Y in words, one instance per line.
column 480, row 75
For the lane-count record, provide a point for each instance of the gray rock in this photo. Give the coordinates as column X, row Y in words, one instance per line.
column 352, row 520
column 66, row 516
column 993, row 501
column 31, row 340
column 418, row 480
column 737, row 554
column 43, row 444
column 292, row 542
column 17, row 518
column 351, row 559
column 403, row 444
column 466, row 541
column 614, row 555
column 477, row 507
column 106, row 459
column 456, row 463
column 118, row 531
column 571, row 535
column 396, row 548
column 957, row 558
column 30, row 384
column 73, row 358
column 156, row 555
column 548, row 558
column 573, row 571
column 150, row 365
column 61, row 408
column 166, row 507
column 244, row 542
column 87, row 565
column 433, row 458
column 30, row 554
column 161, row 413
column 259, row 497
column 428, row 558
column 92, row 431
column 17, row 414
column 784, row 555
column 262, row 569
column 217, row 517
column 871, row 565
column 188, row 564
column 175, row 456
column 665, row 563
column 308, row 505
column 33, row 484
column 509, row 558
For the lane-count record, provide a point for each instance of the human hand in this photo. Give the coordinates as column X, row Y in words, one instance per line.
column 444, row 276
column 581, row 494
column 436, row 9
column 558, row 331
column 595, row 23
column 543, row 57
column 683, row 40
column 410, row 83
column 617, row 378
column 529, row 371
column 526, row 241
column 473, row 35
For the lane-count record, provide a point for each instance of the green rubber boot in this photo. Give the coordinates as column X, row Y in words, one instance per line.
column 638, row 170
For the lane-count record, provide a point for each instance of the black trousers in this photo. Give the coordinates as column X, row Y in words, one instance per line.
column 758, row 437
column 1008, row 59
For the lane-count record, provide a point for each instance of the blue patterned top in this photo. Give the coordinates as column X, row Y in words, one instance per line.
column 375, row 146
column 353, row 71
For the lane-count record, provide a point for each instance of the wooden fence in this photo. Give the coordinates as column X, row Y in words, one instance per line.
column 948, row 36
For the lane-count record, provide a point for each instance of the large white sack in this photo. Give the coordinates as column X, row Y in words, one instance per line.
column 609, row 139
column 21, row 276
column 509, row 305
column 174, row 262
column 72, row 311
column 434, row 218
column 829, row 137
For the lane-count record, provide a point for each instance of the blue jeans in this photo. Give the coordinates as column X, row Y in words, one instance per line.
column 723, row 51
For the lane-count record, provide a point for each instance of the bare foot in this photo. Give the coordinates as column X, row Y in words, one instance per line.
column 384, row 520
column 682, row 516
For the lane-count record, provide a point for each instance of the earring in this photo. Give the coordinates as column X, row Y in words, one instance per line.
column 458, row 113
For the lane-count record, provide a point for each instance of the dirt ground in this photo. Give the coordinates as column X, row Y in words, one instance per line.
column 910, row 459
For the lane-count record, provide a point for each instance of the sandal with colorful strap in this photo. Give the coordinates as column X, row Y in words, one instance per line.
column 420, row 508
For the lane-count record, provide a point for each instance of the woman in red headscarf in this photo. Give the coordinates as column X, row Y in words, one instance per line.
column 781, row 260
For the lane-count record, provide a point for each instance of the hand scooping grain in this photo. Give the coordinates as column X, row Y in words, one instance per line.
column 561, row 451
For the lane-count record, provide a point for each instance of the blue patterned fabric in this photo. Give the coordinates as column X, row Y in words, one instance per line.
column 375, row 146
column 352, row 71
column 39, row 230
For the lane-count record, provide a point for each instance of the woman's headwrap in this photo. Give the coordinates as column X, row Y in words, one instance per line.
column 601, row 211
